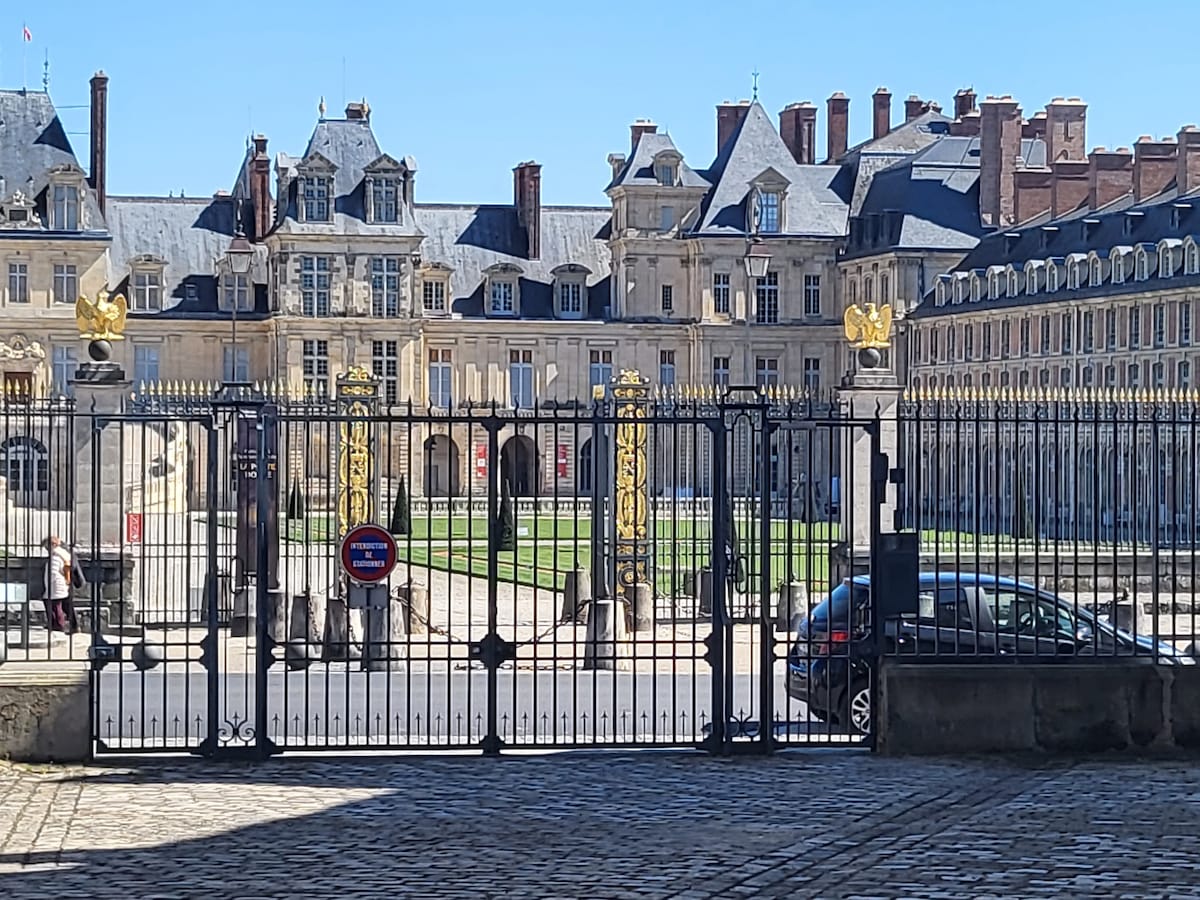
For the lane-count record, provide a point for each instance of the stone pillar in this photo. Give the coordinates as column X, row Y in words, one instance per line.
column 606, row 644
column 872, row 393
column 643, row 608
column 385, row 632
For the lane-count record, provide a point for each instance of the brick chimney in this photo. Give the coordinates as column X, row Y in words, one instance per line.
column 1110, row 175
column 798, row 128
column 358, row 112
column 637, row 129
column 260, row 188
column 729, row 117
column 964, row 103
column 1032, row 188
column 914, row 106
column 967, row 126
column 1035, row 127
column 837, row 126
column 98, row 166
column 881, row 107
column 1187, row 172
column 527, row 198
column 999, row 148
column 1070, row 188
column 1066, row 129
column 1155, row 163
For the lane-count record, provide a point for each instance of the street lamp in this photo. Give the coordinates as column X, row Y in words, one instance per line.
column 238, row 257
column 757, row 261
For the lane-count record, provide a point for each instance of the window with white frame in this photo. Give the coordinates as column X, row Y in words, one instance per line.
column 316, row 198
column 64, row 212
column 1005, row 338
column 1141, row 265
column 1095, row 272
column 314, row 360
column 1044, row 335
column 1066, row 330
column 1014, row 282
column 520, row 379
column 766, row 300
column 720, row 370
column 766, row 371
column 951, row 342
column 441, row 369
column 960, row 288
column 1135, row 327
column 933, row 344
column 1158, row 320
column 812, row 295
column 64, row 363
column 986, row 340
column 969, row 340
column 1087, row 332
column 1158, row 375
column 1185, row 323
column 812, row 373
column 384, row 205
column 1031, row 280
column 665, row 173
column 1073, row 275
column 976, row 288
column 1024, row 337
column 66, row 283
column 235, row 365
column 769, row 212
column 145, row 365
column 868, row 289
column 1117, row 261
column 385, row 365
column 994, row 285
column 1110, row 328
column 1089, row 375
column 237, row 293
column 1191, row 259
column 600, row 368
column 18, row 282
column 1183, row 374
column 666, row 367
column 667, row 295
column 1064, row 376
column 1166, row 262
column 147, row 290
column 503, row 298
column 1051, row 277
column 315, row 282
column 570, row 299
column 666, row 218
column 433, row 295
column 721, row 293
column 1133, row 375
column 385, row 286
column 1110, row 376
column 940, row 296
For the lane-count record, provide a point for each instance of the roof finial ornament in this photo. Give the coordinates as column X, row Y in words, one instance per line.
column 321, row 107
column 46, row 73
column 755, row 74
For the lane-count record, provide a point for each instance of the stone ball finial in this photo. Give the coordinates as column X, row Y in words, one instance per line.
column 869, row 358
column 100, row 350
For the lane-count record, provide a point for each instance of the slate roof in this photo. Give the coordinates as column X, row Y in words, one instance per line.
column 930, row 200
column 875, row 154
column 190, row 235
column 1046, row 238
column 639, row 168
column 813, row 206
column 32, row 142
column 351, row 146
column 470, row 239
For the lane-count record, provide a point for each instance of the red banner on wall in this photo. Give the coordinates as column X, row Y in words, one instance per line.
column 133, row 528
column 562, row 460
column 481, row 460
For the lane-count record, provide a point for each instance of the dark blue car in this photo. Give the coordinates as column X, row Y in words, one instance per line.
column 960, row 614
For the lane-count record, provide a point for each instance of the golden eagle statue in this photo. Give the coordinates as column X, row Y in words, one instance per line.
column 103, row 320
column 870, row 327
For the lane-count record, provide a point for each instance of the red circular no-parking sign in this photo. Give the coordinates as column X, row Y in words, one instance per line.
column 368, row 554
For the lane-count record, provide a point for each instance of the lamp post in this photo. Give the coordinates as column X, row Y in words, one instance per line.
column 239, row 257
column 757, row 260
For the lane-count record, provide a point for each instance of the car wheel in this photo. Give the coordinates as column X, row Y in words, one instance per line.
column 858, row 708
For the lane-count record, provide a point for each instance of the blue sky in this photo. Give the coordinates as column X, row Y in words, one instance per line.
column 473, row 92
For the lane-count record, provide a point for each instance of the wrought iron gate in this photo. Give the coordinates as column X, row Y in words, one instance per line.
column 630, row 573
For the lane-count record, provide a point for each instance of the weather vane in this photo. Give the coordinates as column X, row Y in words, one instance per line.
column 755, row 74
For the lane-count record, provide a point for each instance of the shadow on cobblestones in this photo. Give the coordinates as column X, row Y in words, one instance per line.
column 603, row 826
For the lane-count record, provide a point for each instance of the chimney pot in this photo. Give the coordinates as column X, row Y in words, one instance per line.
column 964, row 102
column 98, row 164
column 637, row 129
column 527, row 198
column 1187, row 172
column 999, row 146
column 1066, row 129
column 260, row 189
column 1110, row 176
column 798, row 128
column 837, row 128
column 1155, row 164
column 729, row 117
column 914, row 106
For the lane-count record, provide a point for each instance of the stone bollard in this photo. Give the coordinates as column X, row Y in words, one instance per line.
column 706, row 591
column 643, row 608
column 243, row 621
column 416, row 605
column 577, row 597
column 337, row 645
column 793, row 604
column 303, row 625
column 605, row 643
column 385, row 633
column 277, row 615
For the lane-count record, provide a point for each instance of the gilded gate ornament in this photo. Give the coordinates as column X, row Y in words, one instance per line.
column 869, row 327
column 102, row 320
column 357, row 391
column 631, row 393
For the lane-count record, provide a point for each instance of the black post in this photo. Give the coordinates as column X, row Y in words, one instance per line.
column 722, row 675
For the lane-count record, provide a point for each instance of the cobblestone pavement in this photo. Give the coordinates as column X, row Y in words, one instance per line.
column 817, row 824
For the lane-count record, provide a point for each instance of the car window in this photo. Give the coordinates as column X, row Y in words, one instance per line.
column 835, row 609
column 1018, row 612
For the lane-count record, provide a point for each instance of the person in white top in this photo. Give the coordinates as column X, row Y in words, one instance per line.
column 60, row 613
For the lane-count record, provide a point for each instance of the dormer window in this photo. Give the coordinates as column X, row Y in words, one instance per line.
column 940, row 296
column 1051, row 277
column 666, row 173
column 1095, row 271
column 316, row 198
column 1031, row 277
column 1191, row 257
column 235, row 292
column 503, row 296
column 570, row 291
column 1014, row 282
column 64, row 209
column 960, row 289
column 1073, row 275
column 435, row 282
column 1166, row 258
column 768, row 209
column 385, row 205
column 146, row 284
column 1141, row 270
column 976, row 288
column 994, row 286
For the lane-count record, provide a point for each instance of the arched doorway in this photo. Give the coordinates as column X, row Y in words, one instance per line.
column 26, row 465
column 519, row 466
column 583, row 469
column 441, row 467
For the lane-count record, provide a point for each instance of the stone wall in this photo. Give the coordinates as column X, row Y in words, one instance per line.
column 44, row 713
